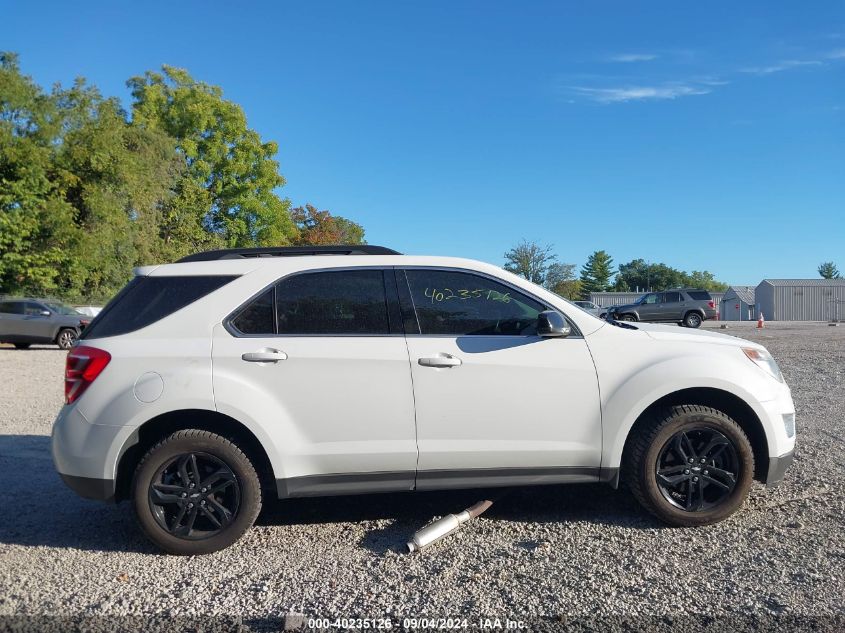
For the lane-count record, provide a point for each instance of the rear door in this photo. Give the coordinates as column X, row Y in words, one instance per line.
column 319, row 361
column 495, row 403
column 671, row 308
column 11, row 315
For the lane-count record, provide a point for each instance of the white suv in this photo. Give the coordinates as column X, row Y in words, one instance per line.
column 234, row 376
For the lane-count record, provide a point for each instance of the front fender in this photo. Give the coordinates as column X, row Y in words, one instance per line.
column 624, row 399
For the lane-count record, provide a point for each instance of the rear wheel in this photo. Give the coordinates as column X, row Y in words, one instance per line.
column 692, row 319
column 66, row 338
column 690, row 465
column 195, row 493
column 22, row 345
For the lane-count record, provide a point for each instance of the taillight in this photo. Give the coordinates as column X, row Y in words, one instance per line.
column 82, row 367
column 712, row 304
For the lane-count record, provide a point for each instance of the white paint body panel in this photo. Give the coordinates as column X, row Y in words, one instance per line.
column 514, row 401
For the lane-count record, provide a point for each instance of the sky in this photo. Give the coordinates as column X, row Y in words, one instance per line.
column 707, row 136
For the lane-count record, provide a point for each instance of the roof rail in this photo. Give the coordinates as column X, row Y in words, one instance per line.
column 288, row 251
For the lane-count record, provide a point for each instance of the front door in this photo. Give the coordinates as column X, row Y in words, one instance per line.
column 495, row 403
column 649, row 307
column 320, row 363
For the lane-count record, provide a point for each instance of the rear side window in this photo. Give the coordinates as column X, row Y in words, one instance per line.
column 461, row 304
column 699, row 295
column 336, row 302
column 671, row 297
column 11, row 307
column 145, row 300
column 330, row 303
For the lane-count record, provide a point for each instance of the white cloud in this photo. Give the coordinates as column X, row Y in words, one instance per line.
column 639, row 93
column 788, row 64
column 627, row 58
column 837, row 54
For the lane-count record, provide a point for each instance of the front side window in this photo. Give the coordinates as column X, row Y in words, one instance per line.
column 34, row 309
column 460, row 304
column 649, row 299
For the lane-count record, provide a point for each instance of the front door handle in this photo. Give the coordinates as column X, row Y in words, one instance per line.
column 265, row 355
column 441, row 360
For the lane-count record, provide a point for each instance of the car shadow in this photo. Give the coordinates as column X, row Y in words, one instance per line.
column 47, row 513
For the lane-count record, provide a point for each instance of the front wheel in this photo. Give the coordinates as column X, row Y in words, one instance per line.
column 626, row 317
column 195, row 493
column 692, row 319
column 66, row 338
column 690, row 465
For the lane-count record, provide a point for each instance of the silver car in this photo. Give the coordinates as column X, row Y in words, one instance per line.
column 589, row 306
column 24, row 321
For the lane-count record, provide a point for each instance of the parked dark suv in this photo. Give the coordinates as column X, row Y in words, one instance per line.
column 686, row 306
column 25, row 321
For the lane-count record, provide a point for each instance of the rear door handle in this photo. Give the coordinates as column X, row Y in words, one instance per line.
column 441, row 360
column 265, row 355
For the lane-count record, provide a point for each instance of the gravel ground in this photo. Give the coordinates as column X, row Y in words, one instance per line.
column 581, row 555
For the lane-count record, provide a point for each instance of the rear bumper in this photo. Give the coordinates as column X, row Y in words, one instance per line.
column 778, row 467
column 91, row 488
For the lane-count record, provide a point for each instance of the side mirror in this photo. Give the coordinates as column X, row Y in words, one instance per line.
column 551, row 324
column 45, row 313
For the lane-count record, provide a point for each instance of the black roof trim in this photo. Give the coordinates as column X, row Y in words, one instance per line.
column 288, row 251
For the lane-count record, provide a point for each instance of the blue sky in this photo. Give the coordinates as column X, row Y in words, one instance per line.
column 707, row 136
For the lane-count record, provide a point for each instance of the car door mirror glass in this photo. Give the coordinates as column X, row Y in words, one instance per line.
column 44, row 313
column 552, row 324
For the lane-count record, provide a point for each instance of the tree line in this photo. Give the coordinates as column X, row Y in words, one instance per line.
column 538, row 263
column 89, row 190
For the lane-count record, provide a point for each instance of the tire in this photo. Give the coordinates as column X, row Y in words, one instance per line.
column 692, row 319
column 653, row 448
column 22, row 345
column 66, row 338
column 233, row 506
column 627, row 317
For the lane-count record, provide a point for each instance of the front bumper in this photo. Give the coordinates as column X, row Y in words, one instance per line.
column 86, row 455
column 778, row 467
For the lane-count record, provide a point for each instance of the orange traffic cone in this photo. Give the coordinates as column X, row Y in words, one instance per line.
column 761, row 322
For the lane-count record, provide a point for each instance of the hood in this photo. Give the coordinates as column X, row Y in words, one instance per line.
column 689, row 335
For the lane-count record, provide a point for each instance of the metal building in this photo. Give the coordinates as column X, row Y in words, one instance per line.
column 738, row 304
column 801, row 299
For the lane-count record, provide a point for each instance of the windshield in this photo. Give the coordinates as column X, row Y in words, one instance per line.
column 60, row 308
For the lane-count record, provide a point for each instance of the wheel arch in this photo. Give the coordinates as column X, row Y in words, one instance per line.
column 160, row 426
column 726, row 402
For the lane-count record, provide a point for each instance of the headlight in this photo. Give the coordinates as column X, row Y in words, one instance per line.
column 764, row 361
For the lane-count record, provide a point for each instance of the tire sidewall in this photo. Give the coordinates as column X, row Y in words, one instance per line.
column 250, row 490
column 693, row 320
column 660, row 506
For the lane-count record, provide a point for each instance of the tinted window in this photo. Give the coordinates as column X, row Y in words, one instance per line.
column 699, row 295
column 257, row 317
column 33, row 309
column 333, row 302
column 457, row 303
column 145, row 300
column 671, row 297
column 11, row 307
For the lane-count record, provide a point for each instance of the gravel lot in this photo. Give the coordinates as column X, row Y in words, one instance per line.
column 580, row 554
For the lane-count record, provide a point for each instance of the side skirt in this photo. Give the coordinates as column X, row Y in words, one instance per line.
column 368, row 483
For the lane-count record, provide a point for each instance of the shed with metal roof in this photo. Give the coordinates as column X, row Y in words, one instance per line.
column 737, row 304
column 801, row 299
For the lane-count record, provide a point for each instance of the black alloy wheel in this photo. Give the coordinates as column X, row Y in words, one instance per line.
column 697, row 469
column 194, row 496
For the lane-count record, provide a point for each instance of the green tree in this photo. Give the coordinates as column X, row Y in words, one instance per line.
column 704, row 279
column 640, row 276
column 530, row 260
column 321, row 227
column 828, row 270
column 596, row 274
column 561, row 279
column 227, row 192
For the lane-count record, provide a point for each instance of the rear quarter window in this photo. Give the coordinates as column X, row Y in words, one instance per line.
column 699, row 295
column 145, row 300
